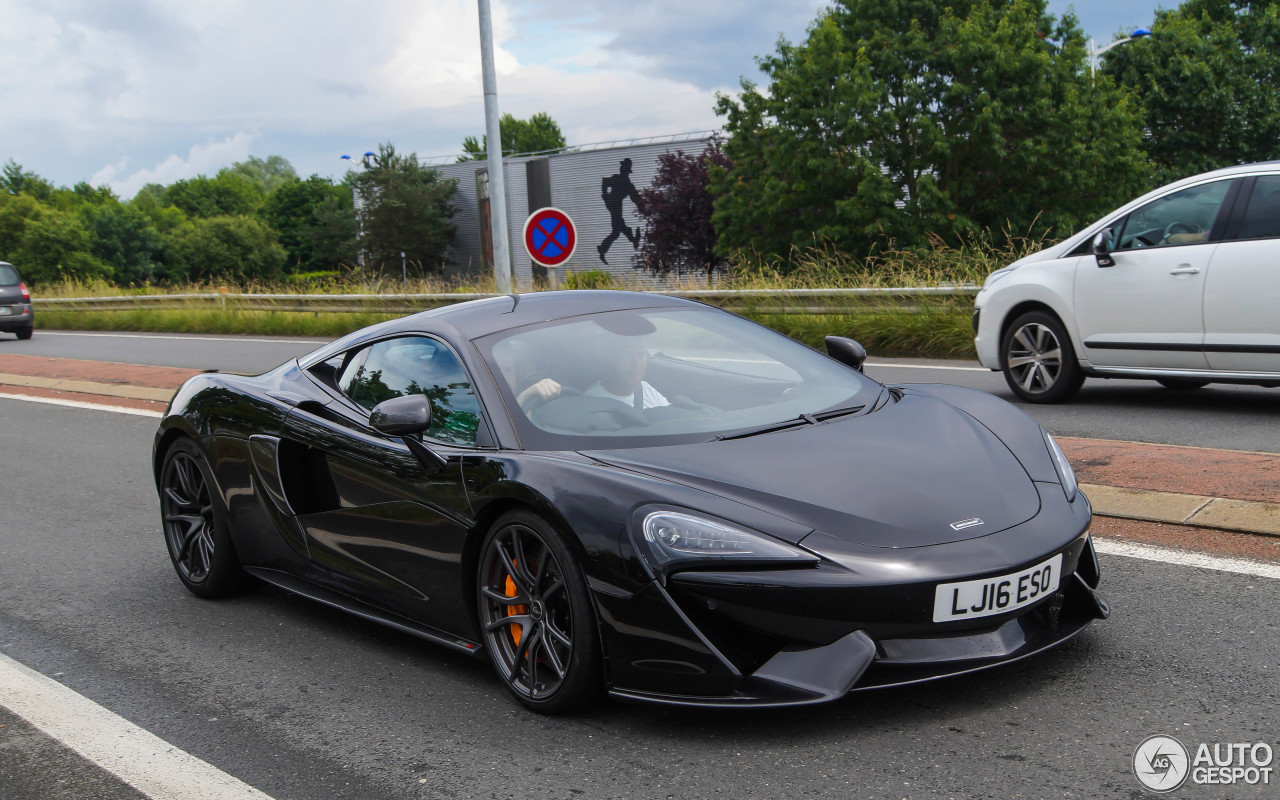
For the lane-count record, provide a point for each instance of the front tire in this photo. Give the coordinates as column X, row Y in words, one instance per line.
column 195, row 529
column 1039, row 364
column 536, row 616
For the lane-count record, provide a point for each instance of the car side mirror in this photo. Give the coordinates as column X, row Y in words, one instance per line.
column 1100, row 251
column 402, row 416
column 846, row 351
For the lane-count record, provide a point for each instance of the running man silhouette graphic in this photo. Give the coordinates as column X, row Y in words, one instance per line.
column 613, row 190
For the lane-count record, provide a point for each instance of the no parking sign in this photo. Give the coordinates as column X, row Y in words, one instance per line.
column 550, row 237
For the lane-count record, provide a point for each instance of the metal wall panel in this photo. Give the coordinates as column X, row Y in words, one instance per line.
column 576, row 183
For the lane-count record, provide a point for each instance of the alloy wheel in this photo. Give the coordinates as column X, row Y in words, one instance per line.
column 1034, row 358
column 188, row 517
column 526, row 613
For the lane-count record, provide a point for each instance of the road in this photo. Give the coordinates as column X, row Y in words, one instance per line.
column 301, row 701
column 1233, row 417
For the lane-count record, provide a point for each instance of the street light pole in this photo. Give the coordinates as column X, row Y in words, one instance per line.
column 497, row 178
column 1095, row 52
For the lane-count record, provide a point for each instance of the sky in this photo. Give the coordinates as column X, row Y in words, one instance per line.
column 129, row 92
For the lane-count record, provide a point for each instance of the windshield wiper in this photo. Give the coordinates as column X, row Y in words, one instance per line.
column 803, row 419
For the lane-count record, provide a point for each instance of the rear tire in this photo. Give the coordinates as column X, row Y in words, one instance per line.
column 536, row 616
column 1181, row 384
column 26, row 333
column 194, row 523
column 1039, row 363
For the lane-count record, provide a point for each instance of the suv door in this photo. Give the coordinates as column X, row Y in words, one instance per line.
column 1146, row 310
column 385, row 527
column 1242, row 291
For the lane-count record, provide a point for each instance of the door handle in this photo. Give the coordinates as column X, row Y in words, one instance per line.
column 1185, row 270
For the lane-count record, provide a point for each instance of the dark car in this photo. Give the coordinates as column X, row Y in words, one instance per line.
column 638, row 494
column 15, row 303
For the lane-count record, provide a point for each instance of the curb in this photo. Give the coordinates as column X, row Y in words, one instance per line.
column 1197, row 511
column 88, row 387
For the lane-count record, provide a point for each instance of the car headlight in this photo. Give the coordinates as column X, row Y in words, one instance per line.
column 672, row 538
column 1065, row 473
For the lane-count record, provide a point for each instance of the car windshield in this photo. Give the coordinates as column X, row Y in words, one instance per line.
column 661, row 376
column 8, row 275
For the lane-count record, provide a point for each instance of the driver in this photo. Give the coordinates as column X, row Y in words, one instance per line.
column 623, row 378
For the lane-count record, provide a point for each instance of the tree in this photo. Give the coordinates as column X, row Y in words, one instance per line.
column 225, row 247
column 407, row 209
column 537, row 134
column 16, row 180
column 678, row 234
column 56, row 246
column 297, row 209
column 264, row 175
column 1207, row 78
column 894, row 122
column 125, row 239
column 225, row 194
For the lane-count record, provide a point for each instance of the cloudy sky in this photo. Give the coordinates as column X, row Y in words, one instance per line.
column 126, row 92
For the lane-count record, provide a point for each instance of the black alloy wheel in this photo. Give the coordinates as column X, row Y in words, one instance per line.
column 536, row 617
column 196, row 536
column 1039, row 364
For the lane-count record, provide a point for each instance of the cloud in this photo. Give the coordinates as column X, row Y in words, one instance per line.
column 200, row 159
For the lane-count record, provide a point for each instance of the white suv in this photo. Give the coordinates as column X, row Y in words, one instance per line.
column 1181, row 285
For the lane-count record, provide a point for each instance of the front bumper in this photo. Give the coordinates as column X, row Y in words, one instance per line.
column 795, row 637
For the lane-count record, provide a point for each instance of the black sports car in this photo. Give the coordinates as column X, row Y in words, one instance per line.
column 634, row 493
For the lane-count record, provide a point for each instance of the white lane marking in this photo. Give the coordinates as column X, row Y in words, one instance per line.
column 58, row 401
column 871, row 364
column 139, row 758
column 1186, row 558
column 183, row 338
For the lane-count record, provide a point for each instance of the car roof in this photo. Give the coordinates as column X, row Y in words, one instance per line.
column 476, row 318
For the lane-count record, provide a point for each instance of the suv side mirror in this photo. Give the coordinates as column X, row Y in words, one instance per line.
column 846, row 351
column 1100, row 250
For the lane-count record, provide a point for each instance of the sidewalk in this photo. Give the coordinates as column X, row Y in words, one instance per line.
column 1225, row 490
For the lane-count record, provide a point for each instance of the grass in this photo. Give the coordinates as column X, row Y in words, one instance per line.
column 933, row 326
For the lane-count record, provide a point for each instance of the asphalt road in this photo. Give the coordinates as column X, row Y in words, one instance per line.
column 1234, row 417
column 304, row 702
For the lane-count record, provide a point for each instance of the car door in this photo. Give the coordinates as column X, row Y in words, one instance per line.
column 1242, row 292
column 384, row 526
column 1146, row 309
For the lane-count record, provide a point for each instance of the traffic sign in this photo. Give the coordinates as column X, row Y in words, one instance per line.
column 550, row 237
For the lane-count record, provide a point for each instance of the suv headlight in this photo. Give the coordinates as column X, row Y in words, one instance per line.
column 670, row 539
column 1065, row 473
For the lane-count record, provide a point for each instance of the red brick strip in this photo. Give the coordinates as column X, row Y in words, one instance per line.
column 96, row 371
column 1167, row 468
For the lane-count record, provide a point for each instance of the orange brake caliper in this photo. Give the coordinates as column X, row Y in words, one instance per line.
column 516, row 628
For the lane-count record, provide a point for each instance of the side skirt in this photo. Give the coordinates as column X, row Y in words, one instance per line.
column 363, row 610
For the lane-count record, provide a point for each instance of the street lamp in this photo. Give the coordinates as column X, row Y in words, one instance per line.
column 358, row 205
column 1095, row 52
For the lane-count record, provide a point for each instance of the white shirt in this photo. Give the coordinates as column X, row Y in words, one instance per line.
column 652, row 397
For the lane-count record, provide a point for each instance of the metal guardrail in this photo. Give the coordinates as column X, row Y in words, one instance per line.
column 774, row 301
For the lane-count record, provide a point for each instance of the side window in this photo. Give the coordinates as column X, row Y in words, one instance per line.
column 1184, row 217
column 416, row 365
column 1262, row 217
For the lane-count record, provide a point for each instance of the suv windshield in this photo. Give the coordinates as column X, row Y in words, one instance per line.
column 660, row 376
column 8, row 275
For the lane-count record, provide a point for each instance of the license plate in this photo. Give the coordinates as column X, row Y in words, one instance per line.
column 5, row 311
column 988, row 596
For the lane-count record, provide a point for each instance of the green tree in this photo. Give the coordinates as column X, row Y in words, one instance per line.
column 16, row 211
column 407, row 209
column 124, row 238
column 16, row 180
column 1207, row 77
column 225, row 194
column 265, row 175
column 226, row 247
column 537, row 134
column 894, row 122
column 302, row 213
column 57, row 246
